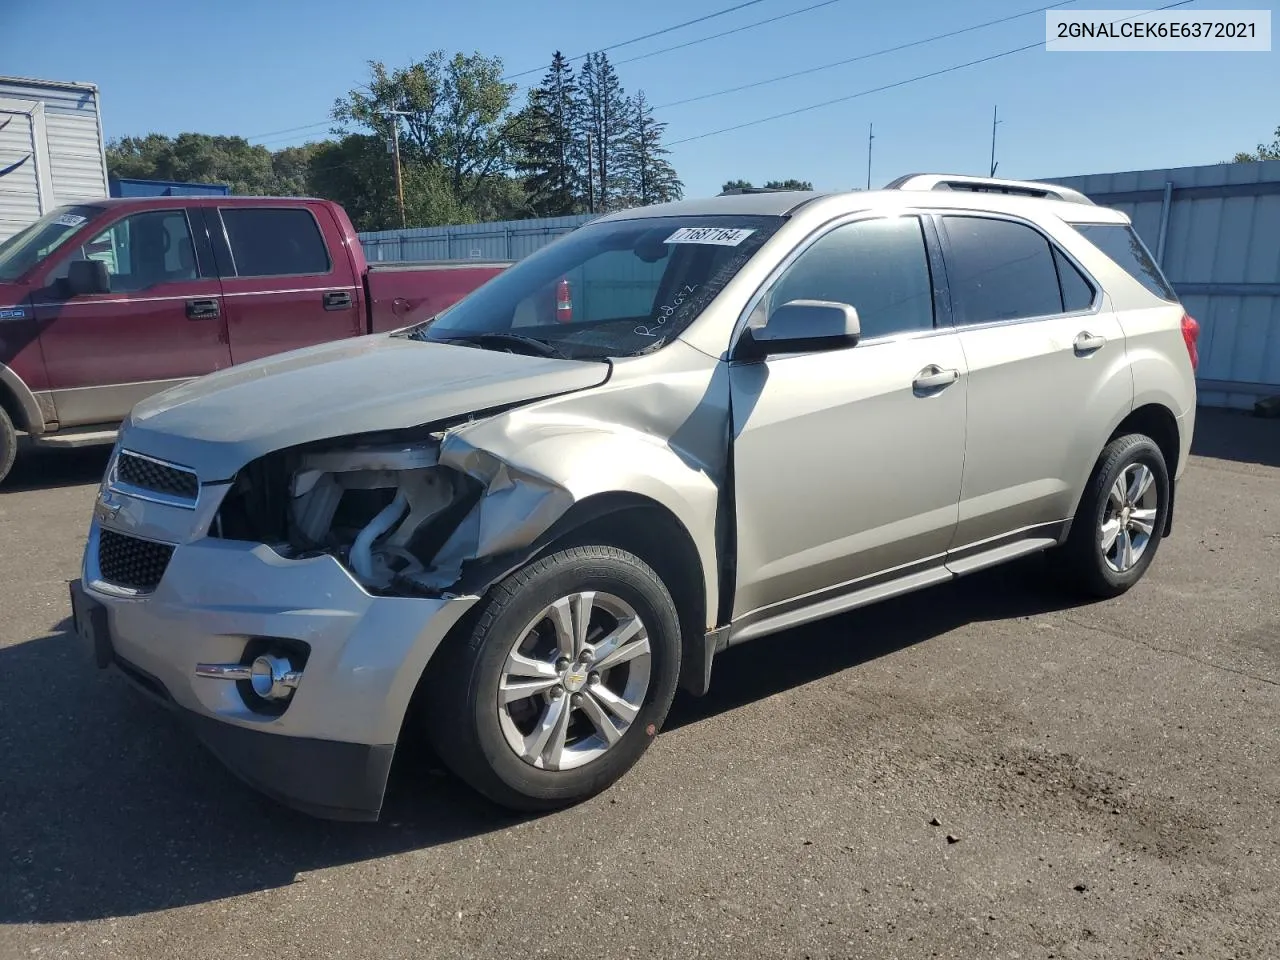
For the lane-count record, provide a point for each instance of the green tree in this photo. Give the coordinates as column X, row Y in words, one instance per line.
column 647, row 177
column 291, row 169
column 548, row 156
column 771, row 185
column 788, row 185
column 1265, row 151
column 357, row 173
column 195, row 157
column 456, row 119
column 603, row 129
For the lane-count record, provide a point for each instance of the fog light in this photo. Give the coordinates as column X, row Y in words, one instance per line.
column 271, row 677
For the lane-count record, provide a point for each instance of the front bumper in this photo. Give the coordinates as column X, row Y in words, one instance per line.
column 329, row 751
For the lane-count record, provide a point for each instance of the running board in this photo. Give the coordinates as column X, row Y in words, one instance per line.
column 71, row 439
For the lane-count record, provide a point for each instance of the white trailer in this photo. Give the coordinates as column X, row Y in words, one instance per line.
column 51, row 149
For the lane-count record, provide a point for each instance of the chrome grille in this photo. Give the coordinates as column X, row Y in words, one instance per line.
column 131, row 562
column 147, row 474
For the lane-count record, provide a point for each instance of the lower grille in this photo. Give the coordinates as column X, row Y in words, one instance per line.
column 130, row 562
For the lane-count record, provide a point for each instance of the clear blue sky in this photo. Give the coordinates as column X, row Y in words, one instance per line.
column 249, row 68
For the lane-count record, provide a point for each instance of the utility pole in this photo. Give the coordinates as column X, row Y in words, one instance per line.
column 591, row 178
column 871, row 135
column 395, row 151
column 995, row 114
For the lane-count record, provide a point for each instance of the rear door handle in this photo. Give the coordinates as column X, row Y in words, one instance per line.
column 933, row 378
column 202, row 309
column 337, row 300
column 1086, row 343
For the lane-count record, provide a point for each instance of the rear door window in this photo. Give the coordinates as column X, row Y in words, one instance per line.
column 1000, row 270
column 1077, row 292
column 275, row 241
column 1122, row 244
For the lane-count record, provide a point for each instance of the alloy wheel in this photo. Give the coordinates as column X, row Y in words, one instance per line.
column 574, row 681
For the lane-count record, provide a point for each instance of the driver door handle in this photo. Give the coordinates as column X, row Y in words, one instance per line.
column 1086, row 343
column 206, row 309
column 933, row 378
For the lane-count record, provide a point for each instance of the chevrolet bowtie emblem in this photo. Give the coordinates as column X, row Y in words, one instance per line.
column 105, row 511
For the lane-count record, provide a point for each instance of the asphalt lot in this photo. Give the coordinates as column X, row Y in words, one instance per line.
column 1108, row 772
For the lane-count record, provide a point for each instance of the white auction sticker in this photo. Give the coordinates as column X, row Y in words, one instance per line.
column 70, row 220
column 718, row 236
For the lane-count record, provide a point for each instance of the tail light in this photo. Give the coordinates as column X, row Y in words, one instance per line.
column 1190, row 335
column 564, row 302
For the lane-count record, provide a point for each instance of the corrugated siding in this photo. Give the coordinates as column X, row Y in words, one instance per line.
column 1222, row 254
column 73, row 146
column 502, row 240
column 19, row 198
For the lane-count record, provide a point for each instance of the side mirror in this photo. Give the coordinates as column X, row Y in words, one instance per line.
column 87, row 276
column 800, row 326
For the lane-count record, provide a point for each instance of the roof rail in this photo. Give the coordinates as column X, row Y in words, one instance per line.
column 1021, row 188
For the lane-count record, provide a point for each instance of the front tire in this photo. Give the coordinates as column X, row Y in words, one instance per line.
column 565, row 678
column 1121, row 519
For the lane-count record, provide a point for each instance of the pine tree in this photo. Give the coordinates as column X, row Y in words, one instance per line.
column 549, row 156
column 603, row 130
column 646, row 174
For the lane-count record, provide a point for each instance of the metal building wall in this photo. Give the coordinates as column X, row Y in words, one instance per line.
column 1216, row 232
column 68, row 164
column 503, row 240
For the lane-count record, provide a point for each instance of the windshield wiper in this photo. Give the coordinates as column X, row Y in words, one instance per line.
column 538, row 347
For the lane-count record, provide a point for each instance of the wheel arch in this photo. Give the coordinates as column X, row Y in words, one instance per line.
column 1157, row 421
column 19, row 402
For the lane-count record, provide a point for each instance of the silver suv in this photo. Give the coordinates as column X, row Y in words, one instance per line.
column 522, row 524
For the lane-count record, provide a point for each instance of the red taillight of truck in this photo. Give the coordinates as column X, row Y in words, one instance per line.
column 564, row 302
column 1191, row 336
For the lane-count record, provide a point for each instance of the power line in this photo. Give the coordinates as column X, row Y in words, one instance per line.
column 647, row 36
column 900, row 83
column 623, row 43
column 305, row 126
column 726, row 33
column 861, row 56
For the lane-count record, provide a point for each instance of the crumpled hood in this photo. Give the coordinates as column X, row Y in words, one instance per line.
column 217, row 424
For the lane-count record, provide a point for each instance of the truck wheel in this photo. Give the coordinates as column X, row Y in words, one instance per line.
column 1121, row 518
column 8, row 444
column 562, row 683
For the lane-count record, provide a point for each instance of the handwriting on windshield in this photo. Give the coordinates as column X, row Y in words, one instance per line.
column 666, row 312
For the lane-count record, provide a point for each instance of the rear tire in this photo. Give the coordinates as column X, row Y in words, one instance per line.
column 8, row 444
column 1121, row 519
column 564, row 680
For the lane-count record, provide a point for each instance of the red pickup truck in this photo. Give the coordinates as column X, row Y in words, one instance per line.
column 105, row 303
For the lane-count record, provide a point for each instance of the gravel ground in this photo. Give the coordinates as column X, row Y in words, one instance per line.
column 980, row 770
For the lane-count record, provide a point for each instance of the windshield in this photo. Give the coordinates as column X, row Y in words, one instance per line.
column 28, row 247
column 606, row 290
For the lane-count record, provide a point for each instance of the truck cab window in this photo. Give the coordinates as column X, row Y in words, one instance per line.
column 275, row 241
column 143, row 251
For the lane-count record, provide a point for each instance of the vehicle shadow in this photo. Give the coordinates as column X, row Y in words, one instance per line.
column 109, row 808
column 44, row 469
column 1020, row 589
column 1236, row 435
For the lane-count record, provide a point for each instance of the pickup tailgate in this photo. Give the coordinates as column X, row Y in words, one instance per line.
column 401, row 294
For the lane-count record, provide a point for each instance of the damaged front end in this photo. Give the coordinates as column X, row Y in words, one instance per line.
column 406, row 514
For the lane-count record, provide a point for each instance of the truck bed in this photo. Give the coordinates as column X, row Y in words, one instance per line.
column 404, row 293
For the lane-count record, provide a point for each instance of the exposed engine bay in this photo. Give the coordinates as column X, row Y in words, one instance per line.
column 402, row 521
